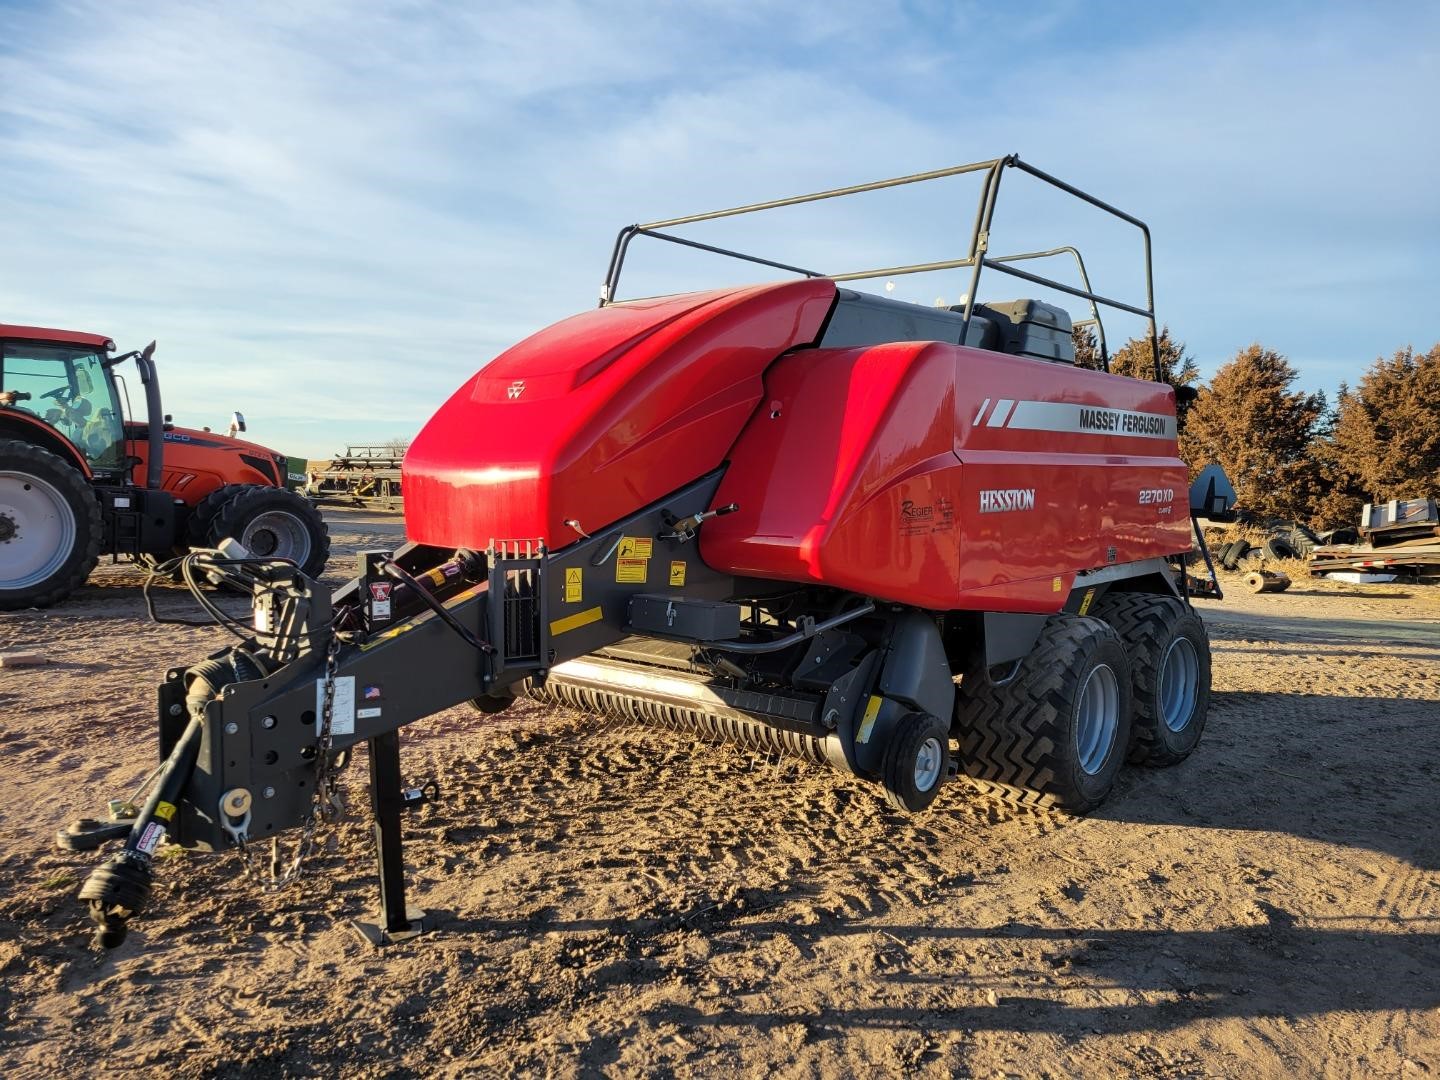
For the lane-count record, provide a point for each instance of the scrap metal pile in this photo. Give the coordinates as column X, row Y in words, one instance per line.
column 1401, row 537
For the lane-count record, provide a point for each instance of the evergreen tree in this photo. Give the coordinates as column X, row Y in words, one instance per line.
column 1134, row 358
column 1260, row 431
column 1137, row 359
column 1087, row 348
column 1386, row 440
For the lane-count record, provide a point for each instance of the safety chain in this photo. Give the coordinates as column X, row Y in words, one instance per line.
column 323, row 802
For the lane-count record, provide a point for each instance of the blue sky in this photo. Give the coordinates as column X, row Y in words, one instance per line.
column 331, row 213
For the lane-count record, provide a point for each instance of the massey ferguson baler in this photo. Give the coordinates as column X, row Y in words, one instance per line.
column 905, row 541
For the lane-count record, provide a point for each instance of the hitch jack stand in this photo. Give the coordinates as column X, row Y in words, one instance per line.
column 398, row 921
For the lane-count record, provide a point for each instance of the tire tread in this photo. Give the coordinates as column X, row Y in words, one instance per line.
column 1013, row 738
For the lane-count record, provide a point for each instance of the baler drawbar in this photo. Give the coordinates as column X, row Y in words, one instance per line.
column 908, row 542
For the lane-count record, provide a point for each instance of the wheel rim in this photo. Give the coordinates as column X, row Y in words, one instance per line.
column 1099, row 718
column 277, row 534
column 1179, row 683
column 39, row 529
column 927, row 764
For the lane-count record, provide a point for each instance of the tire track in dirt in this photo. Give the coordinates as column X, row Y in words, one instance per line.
column 626, row 901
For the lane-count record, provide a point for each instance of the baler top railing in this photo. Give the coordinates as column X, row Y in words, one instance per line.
column 977, row 258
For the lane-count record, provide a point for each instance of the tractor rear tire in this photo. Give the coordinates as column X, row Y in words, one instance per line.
column 50, row 527
column 274, row 523
column 1054, row 735
column 917, row 762
column 1170, row 669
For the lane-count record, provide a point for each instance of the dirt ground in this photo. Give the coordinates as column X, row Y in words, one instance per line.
column 617, row 901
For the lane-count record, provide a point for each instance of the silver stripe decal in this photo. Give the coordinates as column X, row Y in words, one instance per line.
column 1088, row 420
column 983, row 406
column 1001, row 413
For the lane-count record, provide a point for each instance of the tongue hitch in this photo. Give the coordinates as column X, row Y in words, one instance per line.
column 252, row 738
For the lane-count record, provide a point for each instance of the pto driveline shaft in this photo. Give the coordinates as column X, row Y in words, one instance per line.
column 118, row 888
column 464, row 568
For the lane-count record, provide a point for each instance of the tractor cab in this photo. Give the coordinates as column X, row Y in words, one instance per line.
column 66, row 385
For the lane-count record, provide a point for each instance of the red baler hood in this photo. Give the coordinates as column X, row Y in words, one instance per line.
column 601, row 414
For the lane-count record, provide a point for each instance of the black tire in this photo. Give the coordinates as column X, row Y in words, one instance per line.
column 917, row 762
column 1229, row 554
column 492, row 704
column 30, row 480
column 274, row 523
column 197, row 529
column 1300, row 539
column 1020, row 741
column 1168, row 707
column 1277, row 548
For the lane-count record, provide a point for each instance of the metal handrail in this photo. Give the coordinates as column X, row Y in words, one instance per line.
column 976, row 258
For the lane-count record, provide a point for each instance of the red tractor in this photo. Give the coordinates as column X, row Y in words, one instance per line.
column 908, row 542
column 78, row 481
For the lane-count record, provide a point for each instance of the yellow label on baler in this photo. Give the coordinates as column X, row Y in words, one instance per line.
column 574, row 583
column 165, row 810
column 867, row 724
column 574, row 622
column 677, row 573
column 631, row 571
column 636, row 547
column 1057, row 585
column 1085, row 604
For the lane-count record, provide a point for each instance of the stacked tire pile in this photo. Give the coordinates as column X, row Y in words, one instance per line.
column 1286, row 540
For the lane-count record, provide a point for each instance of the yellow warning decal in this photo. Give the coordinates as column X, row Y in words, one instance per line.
column 636, row 547
column 574, row 622
column 1085, row 604
column 632, row 571
column 165, row 810
column 867, row 725
column 1056, row 585
column 677, row 572
column 574, row 583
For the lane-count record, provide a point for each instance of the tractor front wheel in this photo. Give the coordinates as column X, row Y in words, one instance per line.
column 49, row 527
column 274, row 523
column 197, row 531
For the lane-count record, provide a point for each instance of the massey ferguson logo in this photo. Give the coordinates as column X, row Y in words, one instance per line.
column 515, row 389
column 1000, row 500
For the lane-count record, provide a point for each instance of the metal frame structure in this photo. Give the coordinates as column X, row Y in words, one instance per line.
column 977, row 259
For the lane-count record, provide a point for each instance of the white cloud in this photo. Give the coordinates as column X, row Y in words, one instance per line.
column 330, row 214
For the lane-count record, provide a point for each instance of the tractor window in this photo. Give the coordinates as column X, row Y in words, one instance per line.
column 70, row 390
